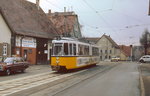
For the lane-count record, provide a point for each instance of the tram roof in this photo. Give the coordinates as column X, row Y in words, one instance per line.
column 71, row 40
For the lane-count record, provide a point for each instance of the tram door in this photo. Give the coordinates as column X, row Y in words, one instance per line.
column 42, row 51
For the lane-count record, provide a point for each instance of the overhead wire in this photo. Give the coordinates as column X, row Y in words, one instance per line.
column 53, row 4
column 126, row 15
column 99, row 15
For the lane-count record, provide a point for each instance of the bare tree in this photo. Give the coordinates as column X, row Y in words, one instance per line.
column 144, row 40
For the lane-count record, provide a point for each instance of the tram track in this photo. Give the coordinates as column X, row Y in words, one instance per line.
column 16, row 86
column 74, row 80
column 98, row 72
column 33, row 84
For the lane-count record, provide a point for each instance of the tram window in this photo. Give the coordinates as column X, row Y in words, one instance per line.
column 70, row 48
column 81, row 49
column 86, row 50
column 95, row 51
column 57, row 49
column 66, row 48
column 52, row 53
column 74, row 49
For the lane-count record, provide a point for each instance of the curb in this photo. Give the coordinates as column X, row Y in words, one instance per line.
column 142, row 89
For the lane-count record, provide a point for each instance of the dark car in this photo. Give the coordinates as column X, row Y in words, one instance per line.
column 13, row 64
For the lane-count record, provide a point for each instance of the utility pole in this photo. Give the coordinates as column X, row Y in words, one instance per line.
column 149, row 8
column 65, row 16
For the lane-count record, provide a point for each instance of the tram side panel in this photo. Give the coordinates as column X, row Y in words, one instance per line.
column 73, row 62
column 67, row 62
column 85, row 61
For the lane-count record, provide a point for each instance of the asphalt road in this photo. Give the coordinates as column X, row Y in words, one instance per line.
column 123, row 80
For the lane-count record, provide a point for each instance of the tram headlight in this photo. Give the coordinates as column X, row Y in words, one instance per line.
column 57, row 62
column 57, row 58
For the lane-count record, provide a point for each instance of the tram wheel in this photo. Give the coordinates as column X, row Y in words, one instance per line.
column 62, row 69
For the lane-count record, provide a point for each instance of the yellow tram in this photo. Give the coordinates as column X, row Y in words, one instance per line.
column 68, row 53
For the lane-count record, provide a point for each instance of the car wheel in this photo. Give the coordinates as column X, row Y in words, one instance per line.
column 142, row 61
column 8, row 72
column 23, row 70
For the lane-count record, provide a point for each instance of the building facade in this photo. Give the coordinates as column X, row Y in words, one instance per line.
column 66, row 23
column 125, row 52
column 5, row 38
column 25, row 31
column 108, row 48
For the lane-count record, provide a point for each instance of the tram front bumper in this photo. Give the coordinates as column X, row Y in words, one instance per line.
column 55, row 68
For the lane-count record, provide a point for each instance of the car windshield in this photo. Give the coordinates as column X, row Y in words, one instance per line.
column 8, row 60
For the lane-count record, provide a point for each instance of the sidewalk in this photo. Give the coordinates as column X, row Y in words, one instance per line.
column 32, row 70
column 39, row 67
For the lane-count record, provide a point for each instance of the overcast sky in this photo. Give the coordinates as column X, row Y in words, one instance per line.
column 123, row 20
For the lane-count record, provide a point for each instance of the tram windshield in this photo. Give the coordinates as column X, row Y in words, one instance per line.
column 64, row 49
column 57, row 49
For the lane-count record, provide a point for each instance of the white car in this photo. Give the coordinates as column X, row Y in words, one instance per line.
column 115, row 59
column 144, row 59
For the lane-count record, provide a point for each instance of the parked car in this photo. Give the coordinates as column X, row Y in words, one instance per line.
column 115, row 59
column 13, row 64
column 144, row 59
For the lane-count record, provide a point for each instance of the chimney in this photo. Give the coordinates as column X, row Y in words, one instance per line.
column 64, row 9
column 49, row 12
column 38, row 4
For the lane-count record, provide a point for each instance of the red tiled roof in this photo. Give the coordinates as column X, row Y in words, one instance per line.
column 125, row 49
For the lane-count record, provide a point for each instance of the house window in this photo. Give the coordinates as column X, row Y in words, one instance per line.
column 101, row 51
column 110, row 51
column 106, row 51
column 109, row 57
column 101, row 57
column 30, row 51
column 5, row 49
column 106, row 57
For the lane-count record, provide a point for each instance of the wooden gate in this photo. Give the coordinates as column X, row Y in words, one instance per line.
column 42, row 51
